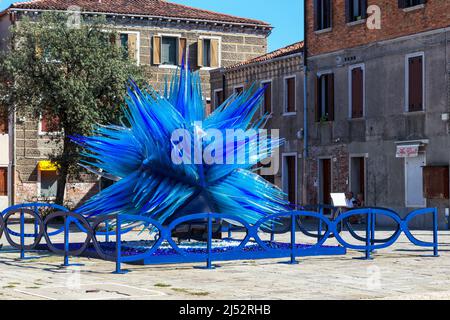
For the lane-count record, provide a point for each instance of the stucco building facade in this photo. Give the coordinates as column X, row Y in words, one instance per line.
column 378, row 103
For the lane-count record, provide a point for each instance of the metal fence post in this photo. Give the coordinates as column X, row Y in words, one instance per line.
column 372, row 234
column 435, row 233
column 293, row 261
column 22, row 235
column 319, row 231
column 66, row 241
column 118, row 245
column 209, row 244
column 107, row 231
column 369, row 234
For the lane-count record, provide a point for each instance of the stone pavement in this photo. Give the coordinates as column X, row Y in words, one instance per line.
column 402, row 271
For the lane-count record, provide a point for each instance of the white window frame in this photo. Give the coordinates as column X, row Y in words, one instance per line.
column 215, row 97
column 39, row 186
column 170, row 35
column 285, row 95
column 283, row 172
column 350, row 100
column 45, row 133
column 406, row 182
column 263, row 82
column 202, row 37
column 138, row 43
column 407, row 57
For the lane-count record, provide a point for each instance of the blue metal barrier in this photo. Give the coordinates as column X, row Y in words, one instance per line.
column 266, row 249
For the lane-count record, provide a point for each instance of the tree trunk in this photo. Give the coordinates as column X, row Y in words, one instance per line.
column 63, row 172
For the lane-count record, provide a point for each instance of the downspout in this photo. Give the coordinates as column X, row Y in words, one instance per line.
column 305, row 107
column 12, row 141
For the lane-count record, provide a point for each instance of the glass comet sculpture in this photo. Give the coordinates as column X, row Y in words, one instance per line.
column 139, row 154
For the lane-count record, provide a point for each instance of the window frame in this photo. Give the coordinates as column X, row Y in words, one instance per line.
column 350, row 91
column 203, row 37
column 349, row 17
column 46, row 133
column 39, row 187
column 318, row 75
column 215, row 91
column 262, row 110
column 138, row 43
column 317, row 28
column 406, row 106
column 286, row 98
column 238, row 87
column 170, row 35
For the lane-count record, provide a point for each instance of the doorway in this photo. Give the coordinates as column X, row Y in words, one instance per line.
column 325, row 181
column 289, row 177
column 358, row 175
column 414, row 181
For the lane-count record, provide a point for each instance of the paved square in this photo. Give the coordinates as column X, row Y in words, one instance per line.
column 402, row 271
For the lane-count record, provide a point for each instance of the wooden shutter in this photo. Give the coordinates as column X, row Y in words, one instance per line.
column 290, row 161
column 268, row 98
column 436, row 182
column 200, row 53
column 156, row 50
column 290, row 95
column 182, row 45
column 3, row 181
column 318, row 99
column 415, row 84
column 132, row 46
column 214, row 53
column 357, row 92
column 330, row 93
column 3, row 122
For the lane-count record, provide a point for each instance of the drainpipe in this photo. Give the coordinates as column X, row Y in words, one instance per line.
column 305, row 107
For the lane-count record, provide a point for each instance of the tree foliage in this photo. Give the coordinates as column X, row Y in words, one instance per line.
column 77, row 75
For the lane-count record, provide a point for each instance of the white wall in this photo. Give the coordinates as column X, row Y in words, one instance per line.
column 4, row 161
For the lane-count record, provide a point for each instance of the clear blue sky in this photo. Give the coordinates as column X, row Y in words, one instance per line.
column 285, row 15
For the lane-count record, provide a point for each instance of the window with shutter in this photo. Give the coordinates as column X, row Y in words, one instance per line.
column 357, row 92
column 49, row 124
column 410, row 3
column 325, row 97
column 49, row 183
column 156, row 50
column 322, row 11
column 3, row 181
column 267, row 103
column 290, row 95
column 415, row 83
column 132, row 47
column 218, row 98
column 436, row 182
column 182, row 45
column 169, row 53
column 355, row 10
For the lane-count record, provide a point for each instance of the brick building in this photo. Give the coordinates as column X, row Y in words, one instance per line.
column 378, row 102
column 281, row 71
column 155, row 33
column 378, row 109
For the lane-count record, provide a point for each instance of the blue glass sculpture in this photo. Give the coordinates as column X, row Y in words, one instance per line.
column 139, row 156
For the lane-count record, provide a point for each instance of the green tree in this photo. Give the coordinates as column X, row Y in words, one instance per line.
column 76, row 74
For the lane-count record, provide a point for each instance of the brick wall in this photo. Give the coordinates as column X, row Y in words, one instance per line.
column 395, row 22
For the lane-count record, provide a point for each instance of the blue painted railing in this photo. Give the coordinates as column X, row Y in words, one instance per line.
column 123, row 224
